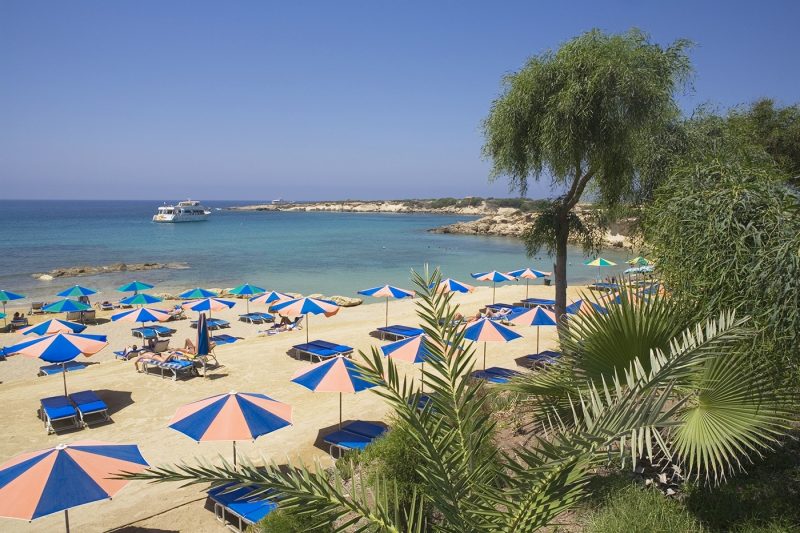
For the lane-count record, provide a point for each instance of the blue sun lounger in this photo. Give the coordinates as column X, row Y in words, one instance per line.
column 256, row 318
column 224, row 339
column 69, row 366
column 177, row 367
column 545, row 357
column 322, row 349
column 144, row 333
column 241, row 505
column 398, row 332
column 58, row 410
column 541, row 302
column 495, row 374
column 90, row 407
column 353, row 436
column 214, row 323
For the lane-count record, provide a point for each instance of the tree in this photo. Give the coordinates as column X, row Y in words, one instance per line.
column 469, row 485
column 577, row 115
column 775, row 129
column 726, row 235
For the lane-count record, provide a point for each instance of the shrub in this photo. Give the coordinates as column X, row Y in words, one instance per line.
column 635, row 508
column 282, row 521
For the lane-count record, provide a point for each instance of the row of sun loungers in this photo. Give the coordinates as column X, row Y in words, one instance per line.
column 79, row 409
column 320, row 350
column 495, row 374
column 152, row 332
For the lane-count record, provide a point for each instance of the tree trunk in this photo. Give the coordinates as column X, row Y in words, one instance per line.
column 560, row 265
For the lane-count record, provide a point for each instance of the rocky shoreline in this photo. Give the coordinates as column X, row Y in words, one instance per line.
column 354, row 206
column 89, row 270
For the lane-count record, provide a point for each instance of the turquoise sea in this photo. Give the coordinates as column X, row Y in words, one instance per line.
column 330, row 253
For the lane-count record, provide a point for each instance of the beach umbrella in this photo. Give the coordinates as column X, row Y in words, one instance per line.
column 585, row 307
column 485, row 330
column 65, row 306
column 53, row 325
column 270, row 298
column 76, row 291
column 639, row 261
column 416, row 349
column 494, row 276
column 203, row 337
column 141, row 299
column 142, row 314
column 306, row 306
column 528, row 274
column 41, row 483
column 538, row 316
column 208, row 304
column 247, row 290
column 387, row 291
column 134, row 286
column 197, row 293
column 231, row 417
column 337, row 374
column 7, row 296
column 60, row 348
column 451, row 285
column 599, row 262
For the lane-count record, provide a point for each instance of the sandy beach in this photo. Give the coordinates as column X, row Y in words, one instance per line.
column 141, row 405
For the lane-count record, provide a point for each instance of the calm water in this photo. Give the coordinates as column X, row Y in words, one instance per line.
column 331, row 253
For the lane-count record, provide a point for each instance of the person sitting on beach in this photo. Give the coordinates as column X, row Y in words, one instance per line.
column 17, row 316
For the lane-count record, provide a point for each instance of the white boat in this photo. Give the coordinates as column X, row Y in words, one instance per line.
column 186, row 211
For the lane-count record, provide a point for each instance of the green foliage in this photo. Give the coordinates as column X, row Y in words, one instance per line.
column 282, row 521
column 583, row 108
column 544, row 231
column 775, row 129
column 637, row 509
column 526, row 205
column 723, row 408
column 727, row 235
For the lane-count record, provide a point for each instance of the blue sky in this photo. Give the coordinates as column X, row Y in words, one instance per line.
column 316, row 100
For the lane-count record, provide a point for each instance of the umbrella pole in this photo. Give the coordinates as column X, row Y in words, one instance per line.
column 66, row 519
column 387, row 311
column 494, row 285
column 422, row 376
column 527, row 287
column 5, row 320
column 64, row 376
column 247, row 303
column 340, row 410
column 234, row 454
column 537, row 340
column 307, row 328
column 484, row 356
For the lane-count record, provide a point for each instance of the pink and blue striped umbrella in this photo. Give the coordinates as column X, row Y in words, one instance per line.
column 451, row 285
column 142, row 315
column 494, row 276
column 337, row 374
column 54, row 325
column 231, row 417
column 415, row 349
column 584, row 307
column 538, row 316
column 528, row 274
column 387, row 291
column 37, row 484
column 271, row 297
column 485, row 330
column 208, row 305
column 306, row 306
column 60, row 348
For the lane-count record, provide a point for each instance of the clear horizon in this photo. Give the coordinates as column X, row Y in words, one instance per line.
column 319, row 101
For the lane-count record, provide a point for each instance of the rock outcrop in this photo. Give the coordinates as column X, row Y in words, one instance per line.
column 408, row 206
column 93, row 270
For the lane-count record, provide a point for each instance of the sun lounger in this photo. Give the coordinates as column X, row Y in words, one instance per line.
column 128, row 354
column 240, row 504
column 214, row 323
column 90, row 407
column 69, row 366
column 540, row 302
column 495, row 374
column 169, row 366
column 397, row 332
column 224, row 339
column 353, row 436
column 144, row 333
column 604, row 286
column 36, row 308
column 58, row 411
column 19, row 323
column 545, row 357
column 322, row 349
column 106, row 306
column 252, row 318
column 500, row 307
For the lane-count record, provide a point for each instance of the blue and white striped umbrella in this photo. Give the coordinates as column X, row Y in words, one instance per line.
column 65, row 306
column 247, row 290
column 7, row 296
